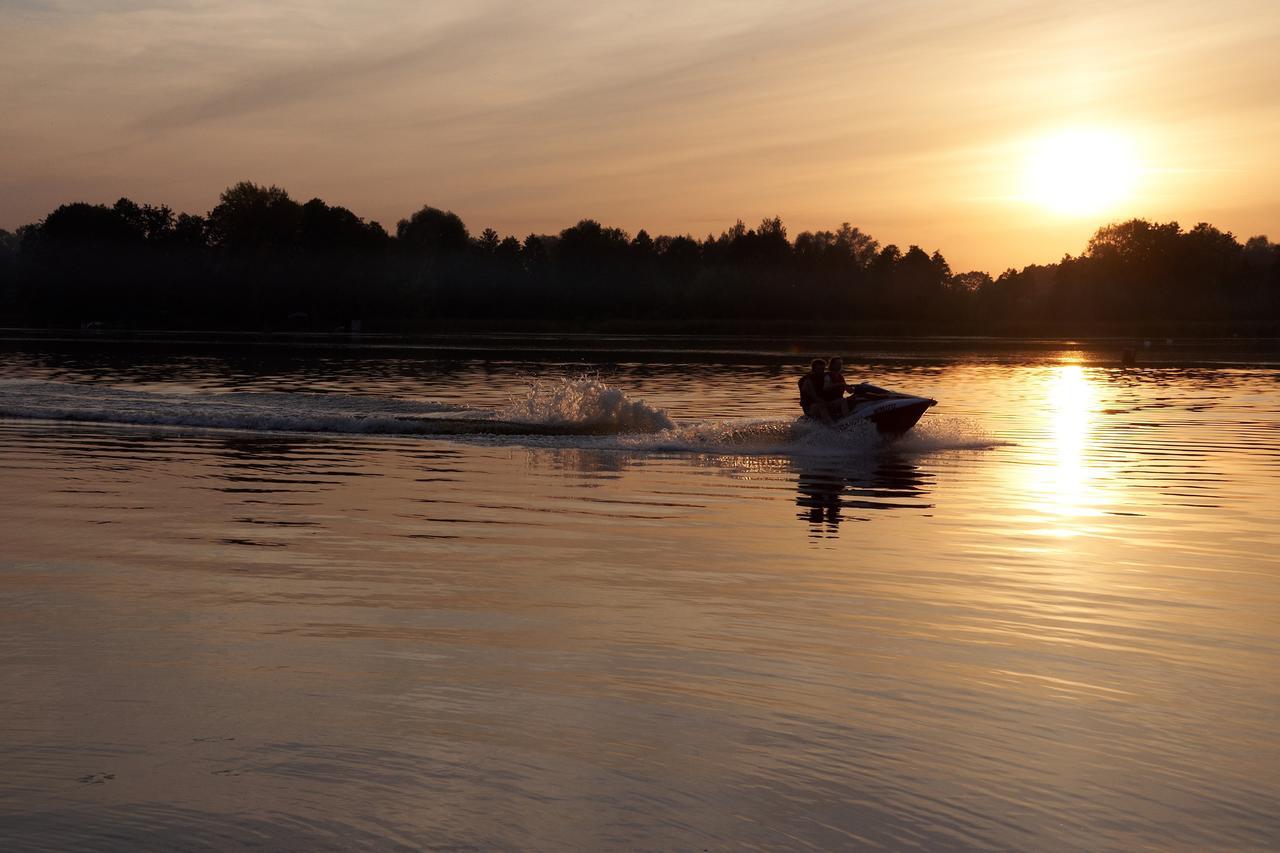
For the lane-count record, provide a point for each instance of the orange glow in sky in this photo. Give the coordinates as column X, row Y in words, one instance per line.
column 1001, row 133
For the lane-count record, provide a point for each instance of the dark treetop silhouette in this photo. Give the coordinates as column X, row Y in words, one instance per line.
column 260, row 260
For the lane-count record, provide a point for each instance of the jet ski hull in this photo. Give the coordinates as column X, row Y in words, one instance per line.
column 892, row 413
column 893, row 416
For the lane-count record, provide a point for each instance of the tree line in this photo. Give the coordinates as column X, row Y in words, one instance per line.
column 260, row 260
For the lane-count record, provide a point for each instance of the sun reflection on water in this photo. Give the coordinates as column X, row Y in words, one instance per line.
column 1068, row 490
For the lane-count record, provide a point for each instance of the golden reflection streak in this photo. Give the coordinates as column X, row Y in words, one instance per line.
column 1067, row 490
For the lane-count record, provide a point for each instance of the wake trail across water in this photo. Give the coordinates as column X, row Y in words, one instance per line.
column 580, row 413
column 252, row 411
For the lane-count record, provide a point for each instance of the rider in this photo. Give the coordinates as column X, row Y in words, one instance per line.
column 834, row 387
column 812, row 398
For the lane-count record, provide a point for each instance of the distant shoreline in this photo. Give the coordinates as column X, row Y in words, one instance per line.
column 594, row 347
column 711, row 329
column 262, row 262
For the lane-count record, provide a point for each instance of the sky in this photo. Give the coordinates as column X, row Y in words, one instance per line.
column 914, row 121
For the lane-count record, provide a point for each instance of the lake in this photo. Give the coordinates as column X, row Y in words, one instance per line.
column 257, row 597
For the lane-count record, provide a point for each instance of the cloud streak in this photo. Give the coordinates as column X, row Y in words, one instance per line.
column 469, row 40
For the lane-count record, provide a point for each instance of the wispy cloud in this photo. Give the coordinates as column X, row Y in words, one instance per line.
column 325, row 75
column 668, row 114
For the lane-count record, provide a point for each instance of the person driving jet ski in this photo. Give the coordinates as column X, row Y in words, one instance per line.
column 834, row 388
column 813, row 399
column 822, row 396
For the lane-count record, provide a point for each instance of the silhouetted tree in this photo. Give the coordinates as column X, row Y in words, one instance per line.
column 155, row 224
column 488, row 241
column 190, row 231
column 325, row 228
column 434, row 231
column 261, row 260
column 8, row 272
column 679, row 259
column 509, row 249
column 79, row 225
column 250, row 218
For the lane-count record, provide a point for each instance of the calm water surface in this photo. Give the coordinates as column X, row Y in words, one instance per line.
column 248, row 604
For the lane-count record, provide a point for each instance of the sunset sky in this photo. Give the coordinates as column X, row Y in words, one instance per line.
column 943, row 124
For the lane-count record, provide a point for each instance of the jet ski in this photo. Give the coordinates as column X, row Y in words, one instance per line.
column 891, row 412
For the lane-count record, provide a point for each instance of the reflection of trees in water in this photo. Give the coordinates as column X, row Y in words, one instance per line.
column 227, row 366
column 826, row 491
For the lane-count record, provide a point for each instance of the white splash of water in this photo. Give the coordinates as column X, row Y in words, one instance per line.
column 585, row 402
column 935, row 433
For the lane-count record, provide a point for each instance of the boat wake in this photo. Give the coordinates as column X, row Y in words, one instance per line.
column 578, row 405
column 581, row 413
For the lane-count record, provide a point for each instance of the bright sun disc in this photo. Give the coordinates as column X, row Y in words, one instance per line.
column 1081, row 172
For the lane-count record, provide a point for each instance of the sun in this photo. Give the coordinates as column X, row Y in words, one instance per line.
column 1080, row 172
